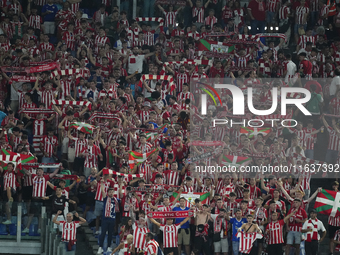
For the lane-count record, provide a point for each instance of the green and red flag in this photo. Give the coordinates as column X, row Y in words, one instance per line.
column 10, row 157
column 236, row 161
column 83, row 127
column 207, row 45
column 191, row 196
column 328, row 202
column 140, row 157
column 150, row 135
column 255, row 131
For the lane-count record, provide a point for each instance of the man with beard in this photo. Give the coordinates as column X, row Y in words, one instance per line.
column 135, row 61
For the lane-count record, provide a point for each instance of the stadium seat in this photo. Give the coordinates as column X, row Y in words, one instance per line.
column 3, row 230
column 12, row 229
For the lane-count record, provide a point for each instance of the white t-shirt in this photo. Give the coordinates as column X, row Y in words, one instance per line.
column 291, row 70
column 334, row 85
column 320, row 227
column 135, row 63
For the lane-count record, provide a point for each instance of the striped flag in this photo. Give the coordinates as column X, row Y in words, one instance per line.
column 140, row 157
column 9, row 156
column 328, row 202
column 237, row 161
column 83, row 127
column 191, row 196
column 247, row 240
column 109, row 171
column 255, row 131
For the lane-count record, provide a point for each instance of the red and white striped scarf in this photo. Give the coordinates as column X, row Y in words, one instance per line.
column 160, row 20
column 108, row 206
column 79, row 103
column 109, row 171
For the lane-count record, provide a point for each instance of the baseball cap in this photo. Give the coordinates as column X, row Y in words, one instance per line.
column 147, row 103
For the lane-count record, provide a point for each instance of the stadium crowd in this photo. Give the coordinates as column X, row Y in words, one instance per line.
column 104, row 108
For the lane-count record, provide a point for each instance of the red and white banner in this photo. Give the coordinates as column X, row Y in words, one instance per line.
column 102, row 115
column 168, row 78
column 206, row 143
column 32, row 69
column 23, row 78
column 78, row 103
column 66, row 177
column 278, row 35
column 109, row 171
column 37, row 111
column 171, row 214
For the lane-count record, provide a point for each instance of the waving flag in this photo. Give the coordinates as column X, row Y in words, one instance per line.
column 140, row 157
column 206, row 45
column 10, row 157
column 150, row 135
column 328, row 202
column 247, row 240
column 191, row 196
column 83, row 127
column 255, row 131
column 237, row 161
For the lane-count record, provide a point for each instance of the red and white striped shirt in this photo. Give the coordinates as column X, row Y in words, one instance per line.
column 149, row 37
column 210, row 21
column 69, row 39
column 334, row 221
column 170, row 18
column 28, row 180
column 80, row 145
column 199, row 13
column 151, row 247
column 39, row 127
column 170, row 235
column 299, row 215
column 39, row 185
column 35, row 21
column 47, row 96
column 10, row 180
column 275, row 232
column 303, row 39
column 241, row 61
column 300, row 13
column 75, row 7
column 335, row 104
column 66, row 89
column 323, row 11
column 107, row 185
column 49, row 143
column 139, row 236
column 172, row 177
column 69, row 230
column 334, row 140
column 272, row 5
column 284, row 11
column 91, row 157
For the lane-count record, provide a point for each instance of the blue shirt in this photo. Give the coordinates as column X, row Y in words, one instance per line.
column 236, row 225
column 112, row 208
column 50, row 16
column 179, row 220
column 2, row 116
